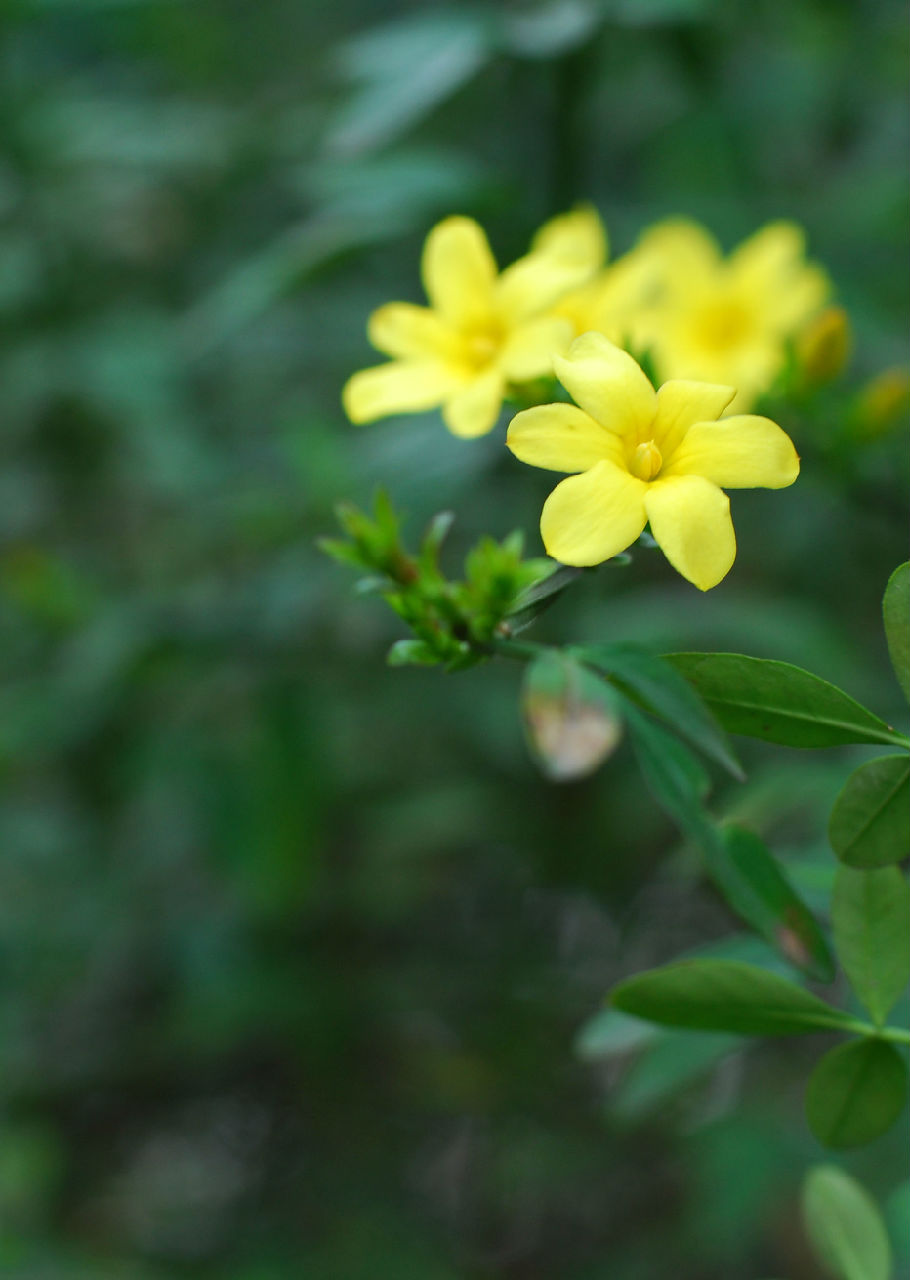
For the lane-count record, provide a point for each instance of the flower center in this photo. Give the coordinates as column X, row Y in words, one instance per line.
column 646, row 461
column 721, row 325
column 481, row 346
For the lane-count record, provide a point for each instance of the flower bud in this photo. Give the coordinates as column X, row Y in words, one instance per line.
column 823, row 347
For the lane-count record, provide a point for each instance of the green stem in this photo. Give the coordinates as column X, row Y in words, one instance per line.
column 520, row 650
column 896, row 1034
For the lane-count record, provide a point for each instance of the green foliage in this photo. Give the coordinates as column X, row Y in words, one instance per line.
column 896, row 611
column 726, row 995
column 870, row 912
column 655, row 685
column 844, row 1226
column 856, row 1093
column 454, row 622
column 870, row 821
column 780, row 703
column 756, row 887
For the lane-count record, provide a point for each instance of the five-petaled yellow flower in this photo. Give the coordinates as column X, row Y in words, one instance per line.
column 724, row 319
column 482, row 331
column 646, row 456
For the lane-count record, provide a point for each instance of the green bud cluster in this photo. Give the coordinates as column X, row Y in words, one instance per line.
column 454, row 621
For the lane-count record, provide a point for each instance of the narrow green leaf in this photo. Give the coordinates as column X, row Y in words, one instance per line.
column 660, row 689
column 571, row 717
column 856, row 1093
column 870, row 821
column 540, row 595
column 780, row 703
column 896, row 612
column 725, row 995
column 736, row 860
column 845, row 1226
column 870, row 911
column 754, row 884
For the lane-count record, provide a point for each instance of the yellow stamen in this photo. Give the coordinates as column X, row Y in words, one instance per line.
column 646, row 461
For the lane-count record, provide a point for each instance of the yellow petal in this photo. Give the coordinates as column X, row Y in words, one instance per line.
column 529, row 350
column 473, row 411
column 679, row 247
column 401, row 386
column 459, row 272
column 607, row 383
column 401, row 329
column 771, row 266
column 742, row 452
column 561, row 437
column 680, row 403
column 690, row 520
column 774, row 247
column 578, row 237
column 534, row 284
column 591, row 517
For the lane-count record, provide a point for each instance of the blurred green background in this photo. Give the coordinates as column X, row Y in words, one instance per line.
column 295, row 949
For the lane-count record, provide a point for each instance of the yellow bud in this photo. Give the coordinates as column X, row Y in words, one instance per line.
column 646, row 461
column 824, row 345
column 881, row 404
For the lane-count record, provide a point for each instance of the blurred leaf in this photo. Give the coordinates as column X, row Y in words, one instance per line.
column 659, row 688
column 570, row 717
column 755, row 885
column 674, row 1061
column 610, row 1033
column 856, row 1093
column 405, row 69
column 777, row 702
column 896, row 611
column 551, row 30
column 870, row 912
column 724, row 995
column 870, row 821
column 845, row 1226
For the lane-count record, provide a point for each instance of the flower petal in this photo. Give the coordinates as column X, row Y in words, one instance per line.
column 680, row 403
column 607, row 383
column 402, row 329
column 690, row 521
column 473, row 411
column 742, row 452
column 591, row 517
column 577, row 237
column 561, row 437
column 529, row 350
column 459, row 272
column 401, row 386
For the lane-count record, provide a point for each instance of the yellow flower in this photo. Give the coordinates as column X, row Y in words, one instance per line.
column 726, row 319
column 482, row 331
column 644, row 456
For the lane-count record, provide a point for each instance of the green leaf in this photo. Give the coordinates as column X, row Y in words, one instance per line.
column 870, row 911
column 673, row 775
column 756, row 887
column 405, row 653
column 896, row 612
column 660, row 689
column 845, row 1226
column 736, row 860
column 870, row 821
column 856, row 1093
column 725, row 995
column 571, row 716
column 675, row 1060
column 780, row 703
column 540, row 595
